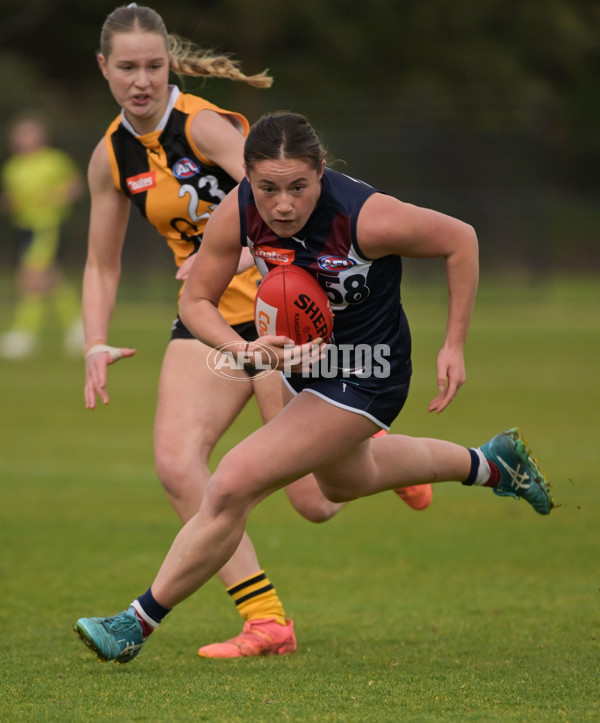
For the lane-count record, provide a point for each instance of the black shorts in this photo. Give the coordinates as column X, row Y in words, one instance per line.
column 247, row 331
column 381, row 403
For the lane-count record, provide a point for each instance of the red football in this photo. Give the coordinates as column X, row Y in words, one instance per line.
column 291, row 302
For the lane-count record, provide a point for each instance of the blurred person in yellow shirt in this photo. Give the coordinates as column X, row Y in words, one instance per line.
column 39, row 187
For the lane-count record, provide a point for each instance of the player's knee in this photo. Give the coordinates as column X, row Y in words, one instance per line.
column 337, row 494
column 316, row 510
column 234, row 486
column 225, row 496
column 178, row 468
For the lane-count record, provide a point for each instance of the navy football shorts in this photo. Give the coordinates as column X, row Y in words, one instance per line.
column 380, row 403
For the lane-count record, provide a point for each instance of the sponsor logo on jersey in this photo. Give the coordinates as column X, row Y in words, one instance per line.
column 142, row 182
column 335, row 263
column 185, row 168
column 280, row 257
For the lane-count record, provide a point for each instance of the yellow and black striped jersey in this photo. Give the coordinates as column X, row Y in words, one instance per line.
column 176, row 187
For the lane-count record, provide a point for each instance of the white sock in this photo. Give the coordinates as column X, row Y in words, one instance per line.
column 144, row 615
column 483, row 473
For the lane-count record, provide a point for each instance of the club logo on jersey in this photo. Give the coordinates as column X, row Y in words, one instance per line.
column 335, row 263
column 185, row 168
column 142, row 182
column 281, row 257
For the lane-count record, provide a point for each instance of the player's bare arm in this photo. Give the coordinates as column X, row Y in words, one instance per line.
column 389, row 226
column 216, row 264
column 220, row 141
column 108, row 223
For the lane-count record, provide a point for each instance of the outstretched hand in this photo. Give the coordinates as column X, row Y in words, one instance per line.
column 97, row 360
column 451, row 375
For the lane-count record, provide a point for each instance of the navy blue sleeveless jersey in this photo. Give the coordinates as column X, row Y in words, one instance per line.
column 364, row 293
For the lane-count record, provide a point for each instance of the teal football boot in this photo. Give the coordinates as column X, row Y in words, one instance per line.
column 117, row 638
column 520, row 475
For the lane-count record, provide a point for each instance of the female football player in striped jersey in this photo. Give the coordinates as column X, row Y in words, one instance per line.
column 175, row 156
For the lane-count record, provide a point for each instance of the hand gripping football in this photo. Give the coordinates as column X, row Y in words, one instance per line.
column 291, row 302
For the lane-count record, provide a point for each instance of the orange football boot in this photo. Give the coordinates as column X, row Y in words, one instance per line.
column 259, row 637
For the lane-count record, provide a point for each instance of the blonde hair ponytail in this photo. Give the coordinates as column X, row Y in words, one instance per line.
column 187, row 59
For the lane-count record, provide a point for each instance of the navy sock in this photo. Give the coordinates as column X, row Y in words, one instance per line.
column 154, row 610
column 475, row 462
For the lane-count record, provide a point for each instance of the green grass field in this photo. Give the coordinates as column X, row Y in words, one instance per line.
column 477, row 609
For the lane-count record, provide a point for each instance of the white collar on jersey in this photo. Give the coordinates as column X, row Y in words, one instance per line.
column 174, row 93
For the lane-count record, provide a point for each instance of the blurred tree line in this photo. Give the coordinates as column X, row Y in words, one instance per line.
column 488, row 110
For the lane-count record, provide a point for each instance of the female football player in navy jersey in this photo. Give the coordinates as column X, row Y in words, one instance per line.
column 174, row 156
column 291, row 203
